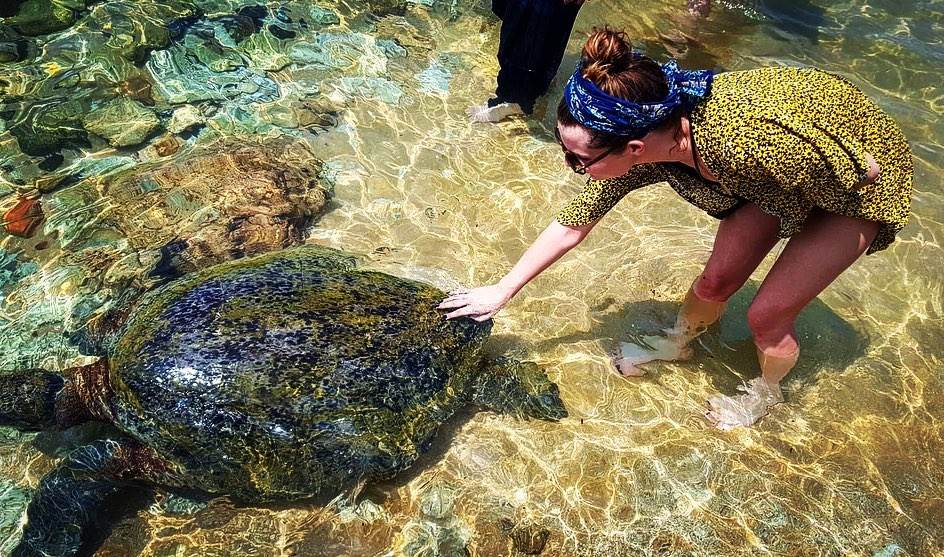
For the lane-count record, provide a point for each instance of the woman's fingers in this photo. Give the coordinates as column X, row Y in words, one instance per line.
column 458, row 291
column 450, row 303
column 463, row 311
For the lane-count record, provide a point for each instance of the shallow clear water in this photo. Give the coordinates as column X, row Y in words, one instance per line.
column 851, row 464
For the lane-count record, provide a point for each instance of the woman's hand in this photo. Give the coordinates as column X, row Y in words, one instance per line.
column 872, row 173
column 479, row 303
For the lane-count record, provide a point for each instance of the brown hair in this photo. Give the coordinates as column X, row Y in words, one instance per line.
column 609, row 62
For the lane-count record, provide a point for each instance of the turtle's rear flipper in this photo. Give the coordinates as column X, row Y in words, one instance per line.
column 69, row 512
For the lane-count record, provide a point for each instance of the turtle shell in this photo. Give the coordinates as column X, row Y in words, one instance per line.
column 287, row 374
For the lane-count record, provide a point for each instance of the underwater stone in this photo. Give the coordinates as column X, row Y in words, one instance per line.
column 12, row 270
column 84, row 168
column 179, row 79
column 391, row 48
column 137, row 87
column 166, row 145
column 370, row 87
column 341, row 51
column 265, row 52
column 255, row 12
column 232, row 201
column 281, row 33
column 434, row 79
column 437, row 532
column 12, row 47
column 13, row 502
column 134, row 28
column 50, row 125
column 9, row 7
column 185, row 118
column 178, row 505
column 23, row 218
column 323, row 16
column 529, row 539
column 300, row 114
column 51, row 162
column 123, row 122
column 39, row 17
column 235, row 28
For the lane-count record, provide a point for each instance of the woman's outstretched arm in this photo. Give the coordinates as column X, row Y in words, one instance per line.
column 485, row 301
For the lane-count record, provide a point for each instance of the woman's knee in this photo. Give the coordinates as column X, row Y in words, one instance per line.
column 767, row 318
column 717, row 287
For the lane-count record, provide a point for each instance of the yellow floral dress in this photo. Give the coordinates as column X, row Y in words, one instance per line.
column 787, row 139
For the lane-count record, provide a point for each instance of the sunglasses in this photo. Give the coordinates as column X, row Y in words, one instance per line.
column 576, row 163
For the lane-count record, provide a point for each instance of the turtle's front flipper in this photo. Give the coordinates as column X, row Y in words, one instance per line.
column 66, row 514
column 520, row 388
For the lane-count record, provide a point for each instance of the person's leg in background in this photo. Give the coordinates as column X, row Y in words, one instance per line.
column 532, row 41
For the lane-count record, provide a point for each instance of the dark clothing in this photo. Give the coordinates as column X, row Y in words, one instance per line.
column 534, row 35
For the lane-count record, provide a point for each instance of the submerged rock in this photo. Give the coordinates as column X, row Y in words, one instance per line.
column 39, row 17
column 13, row 48
column 185, row 118
column 122, row 122
column 182, row 78
column 232, row 201
column 49, row 126
column 23, row 218
column 12, row 270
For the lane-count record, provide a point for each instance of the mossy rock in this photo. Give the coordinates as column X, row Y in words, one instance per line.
column 122, row 122
column 39, row 17
column 49, row 126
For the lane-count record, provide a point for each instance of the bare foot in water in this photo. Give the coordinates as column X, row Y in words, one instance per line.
column 485, row 113
column 729, row 412
column 631, row 355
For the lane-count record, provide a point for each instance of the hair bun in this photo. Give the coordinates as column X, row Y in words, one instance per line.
column 609, row 62
column 608, row 52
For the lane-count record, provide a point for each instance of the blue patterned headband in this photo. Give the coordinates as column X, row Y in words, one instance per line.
column 595, row 109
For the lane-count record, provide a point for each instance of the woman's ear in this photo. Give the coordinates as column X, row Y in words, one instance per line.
column 635, row 148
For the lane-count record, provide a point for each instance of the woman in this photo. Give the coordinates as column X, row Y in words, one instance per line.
column 772, row 152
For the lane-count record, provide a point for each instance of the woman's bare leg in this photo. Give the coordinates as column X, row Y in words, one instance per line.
column 827, row 246
column 741, row 243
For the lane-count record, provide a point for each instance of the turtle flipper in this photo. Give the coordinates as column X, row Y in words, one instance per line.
column 66, row 514
column 519, row 388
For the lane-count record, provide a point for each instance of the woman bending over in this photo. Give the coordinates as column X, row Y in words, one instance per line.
column 772, row 152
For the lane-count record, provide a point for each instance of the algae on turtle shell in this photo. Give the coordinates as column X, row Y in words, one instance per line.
column 273, row 378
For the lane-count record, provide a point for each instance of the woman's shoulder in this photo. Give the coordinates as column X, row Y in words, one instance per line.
column 741, row 99
column 779, row 85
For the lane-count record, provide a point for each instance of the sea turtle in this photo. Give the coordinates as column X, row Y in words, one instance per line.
column 272, row 378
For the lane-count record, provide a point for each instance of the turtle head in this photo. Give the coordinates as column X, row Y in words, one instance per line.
column 28, row 398
column 519, row 388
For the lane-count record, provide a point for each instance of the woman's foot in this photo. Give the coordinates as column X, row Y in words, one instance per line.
column 630, row 355
column 729, row 412
column 497, row 113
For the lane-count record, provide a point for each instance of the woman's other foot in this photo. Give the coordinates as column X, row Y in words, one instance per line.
column 630, row 355
column 729, row 412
